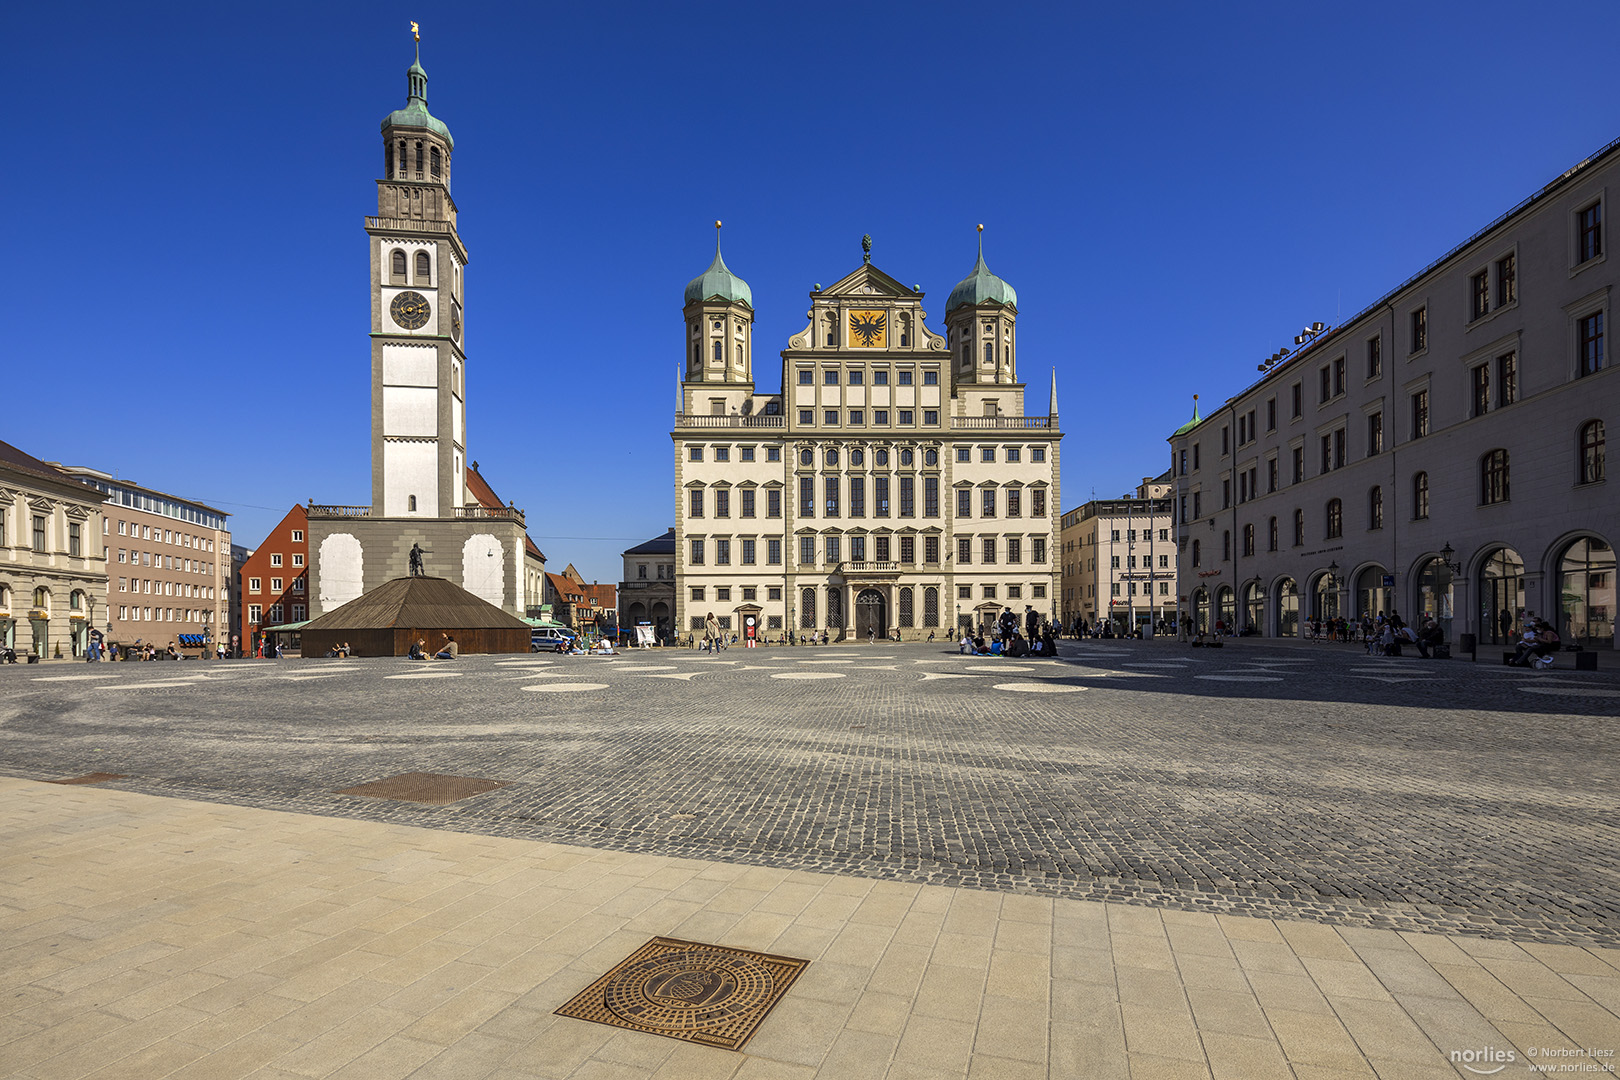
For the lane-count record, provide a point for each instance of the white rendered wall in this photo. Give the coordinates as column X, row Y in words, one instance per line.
column 411, row 468
column 410, row 411
column 408, row 365
column 340, row 560
column 483, row 570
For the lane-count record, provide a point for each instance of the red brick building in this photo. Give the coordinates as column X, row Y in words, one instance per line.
column 275, row 578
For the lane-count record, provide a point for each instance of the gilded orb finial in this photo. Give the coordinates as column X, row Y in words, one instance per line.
column 981, row 227
column 717, row 224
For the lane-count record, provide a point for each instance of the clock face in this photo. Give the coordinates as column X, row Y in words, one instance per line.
column 866, row 329
column 410, row 310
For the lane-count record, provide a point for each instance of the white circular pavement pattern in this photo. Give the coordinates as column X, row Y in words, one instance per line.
column 1038, row 688
column 808, row 675
column 1572, row 691
column 427, row 675
column 565, row 687
column 1240, row 678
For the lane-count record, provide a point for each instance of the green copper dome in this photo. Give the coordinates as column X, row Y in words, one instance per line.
column 1189, row 425
column 719, row 281
column 981, row 287
column 415, row 113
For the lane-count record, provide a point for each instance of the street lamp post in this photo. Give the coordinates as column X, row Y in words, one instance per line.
column 1130, row 560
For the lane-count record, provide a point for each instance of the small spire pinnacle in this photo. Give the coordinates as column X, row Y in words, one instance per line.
column 866, row 247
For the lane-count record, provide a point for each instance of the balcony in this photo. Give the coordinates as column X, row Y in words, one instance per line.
column 317, row 510
column 1003, row 423
column 867, row 569
column 693, row 420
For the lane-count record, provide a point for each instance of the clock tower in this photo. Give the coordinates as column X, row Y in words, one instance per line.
column 418, row 366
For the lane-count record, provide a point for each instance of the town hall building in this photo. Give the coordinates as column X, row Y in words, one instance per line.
column 893, row 487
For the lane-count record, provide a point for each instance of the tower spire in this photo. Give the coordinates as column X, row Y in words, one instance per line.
column 1051, row 408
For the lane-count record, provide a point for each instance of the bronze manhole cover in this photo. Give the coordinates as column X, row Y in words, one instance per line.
column 430, row 789
column 705, row 994
column 90, row 778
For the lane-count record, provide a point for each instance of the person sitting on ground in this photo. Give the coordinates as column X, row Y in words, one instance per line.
column 450, row 650
column 418, row 650
column 1018, row 646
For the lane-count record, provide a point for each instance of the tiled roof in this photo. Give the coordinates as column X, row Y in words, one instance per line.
column 27, row 463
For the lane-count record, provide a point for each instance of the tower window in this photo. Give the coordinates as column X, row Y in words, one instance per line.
column 398, row 260
column 402, row 159
column 424, row 268
column 419, row 161
column 412, row 504
column 434, row 157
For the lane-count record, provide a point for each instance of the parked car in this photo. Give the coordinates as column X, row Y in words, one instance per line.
column 548, row 639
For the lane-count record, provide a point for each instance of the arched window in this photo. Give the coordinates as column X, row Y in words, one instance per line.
column 807, row 609
column 989, row 352
column 424, row 269
column 419, row 160
column 1420, row 496
column 398, row 267
column 906, row 606
column 930, row 606
column 1493, row 477
column 1591, row 452
column 739, row 356
column 412, row 504
column 1375, row 508
column 1335, row 519
column 402, row 159
column 433, row 156
column 718, row 354
column 835, row 609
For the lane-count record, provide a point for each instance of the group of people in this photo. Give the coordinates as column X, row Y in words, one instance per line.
column 449, row 650
column 1036, row 637
column 341, row 649
column 1537, row 644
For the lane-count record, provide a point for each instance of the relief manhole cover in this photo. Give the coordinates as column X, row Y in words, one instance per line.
column 430, row 789
column 686, row 990
column 90, row 778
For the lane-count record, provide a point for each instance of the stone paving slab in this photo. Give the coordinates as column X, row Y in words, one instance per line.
column 147, row 937
column 1312, row 782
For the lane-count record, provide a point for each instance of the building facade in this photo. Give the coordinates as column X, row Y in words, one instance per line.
column 274, row 579
column 53, row 558
column 1440, row 453
column 647, row 592
column 893, row 487
column 419, row 493
column 1119, row 562
column 168, row 561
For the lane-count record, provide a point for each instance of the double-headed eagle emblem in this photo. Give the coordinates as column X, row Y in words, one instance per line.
column 868, row 326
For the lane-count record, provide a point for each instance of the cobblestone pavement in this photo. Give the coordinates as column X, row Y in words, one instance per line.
column 1299, row 783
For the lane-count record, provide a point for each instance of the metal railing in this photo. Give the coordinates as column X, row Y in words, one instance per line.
column 693, row 420
column 1003, row 423
column 868, row 567
column 317, row 510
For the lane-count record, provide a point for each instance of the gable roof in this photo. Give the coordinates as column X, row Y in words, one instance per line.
column 479, row 489
column 565, row 586
column 418, row 602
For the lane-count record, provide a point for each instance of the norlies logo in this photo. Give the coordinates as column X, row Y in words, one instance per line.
column 1489, row 1060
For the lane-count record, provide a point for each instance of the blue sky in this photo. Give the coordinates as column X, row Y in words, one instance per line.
column 1173, row 189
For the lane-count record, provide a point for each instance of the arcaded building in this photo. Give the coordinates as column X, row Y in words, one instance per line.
column 894, row 485
column 1442, row 452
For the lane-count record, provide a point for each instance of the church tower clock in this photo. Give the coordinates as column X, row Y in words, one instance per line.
column 418, row 362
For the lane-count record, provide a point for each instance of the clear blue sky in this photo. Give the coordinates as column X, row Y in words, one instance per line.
column 1173, row 189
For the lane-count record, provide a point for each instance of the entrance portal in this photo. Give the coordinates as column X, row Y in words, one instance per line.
column 870, row 616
